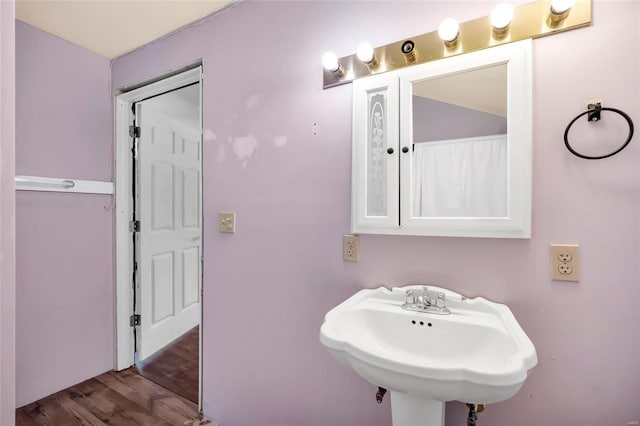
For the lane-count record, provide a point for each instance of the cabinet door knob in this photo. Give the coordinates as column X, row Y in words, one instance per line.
column 390, row 150
column 405, row 149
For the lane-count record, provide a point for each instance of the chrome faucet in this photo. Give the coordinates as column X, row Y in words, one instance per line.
column 428, row 301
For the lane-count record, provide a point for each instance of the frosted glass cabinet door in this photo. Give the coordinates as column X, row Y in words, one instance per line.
column 375, row 154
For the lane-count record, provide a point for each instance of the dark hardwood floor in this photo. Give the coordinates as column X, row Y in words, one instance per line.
column 175, row 367
column 115, row 398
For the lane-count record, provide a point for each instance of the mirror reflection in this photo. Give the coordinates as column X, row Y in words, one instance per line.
column 460, row 144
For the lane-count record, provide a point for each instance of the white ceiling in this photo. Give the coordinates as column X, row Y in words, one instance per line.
column 114, row 27
column 463, row 89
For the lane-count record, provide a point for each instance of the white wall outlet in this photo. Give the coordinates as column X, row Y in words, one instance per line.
column 228, row 222
column 565, row 262
column 351, row 248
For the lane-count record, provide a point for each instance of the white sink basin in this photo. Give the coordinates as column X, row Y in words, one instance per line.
column 476, row 354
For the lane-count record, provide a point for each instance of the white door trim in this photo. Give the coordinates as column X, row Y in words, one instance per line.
column 124, row 207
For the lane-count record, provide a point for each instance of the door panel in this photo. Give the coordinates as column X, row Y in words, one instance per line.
column 191, row 149
column 169, row 241
column 190, row 202
column 162, row 193
column 162, row 287
column 190, row 276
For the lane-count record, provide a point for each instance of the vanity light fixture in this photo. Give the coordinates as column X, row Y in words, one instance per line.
column 507, row 24
column 449, row 31
column 366, row 54
column 331, row 63
column 501, row 18
column 560, row 9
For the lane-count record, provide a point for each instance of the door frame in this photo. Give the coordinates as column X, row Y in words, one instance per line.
column 123, row 115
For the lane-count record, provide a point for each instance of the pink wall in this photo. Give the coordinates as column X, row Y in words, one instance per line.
column 64, row 242
column 263, row 363
column 7, row 214
column 63, row 108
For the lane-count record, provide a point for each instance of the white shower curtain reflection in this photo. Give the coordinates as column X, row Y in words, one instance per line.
column 461, row 177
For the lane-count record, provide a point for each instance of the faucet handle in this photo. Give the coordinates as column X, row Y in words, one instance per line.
column 411, row 298
column 433, row 298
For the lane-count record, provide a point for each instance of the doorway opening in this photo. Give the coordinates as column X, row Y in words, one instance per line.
column 159, row 231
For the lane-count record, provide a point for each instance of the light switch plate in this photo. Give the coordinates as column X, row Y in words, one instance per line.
column 228, row 222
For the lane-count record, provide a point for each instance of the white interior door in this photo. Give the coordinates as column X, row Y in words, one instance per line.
column 170, row 242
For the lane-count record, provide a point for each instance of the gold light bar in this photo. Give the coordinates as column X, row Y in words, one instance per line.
column 530, row 20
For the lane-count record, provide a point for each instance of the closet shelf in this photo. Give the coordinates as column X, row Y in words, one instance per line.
column 39, row 183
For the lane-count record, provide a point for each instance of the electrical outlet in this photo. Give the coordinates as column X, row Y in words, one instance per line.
column 565, row 262
column 228, row 222
column 565, row 269
column 351, row 248
column 565, row 256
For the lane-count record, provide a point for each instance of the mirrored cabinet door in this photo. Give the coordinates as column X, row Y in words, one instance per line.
column 458, row 145
column 375, row 197
column 466, row 121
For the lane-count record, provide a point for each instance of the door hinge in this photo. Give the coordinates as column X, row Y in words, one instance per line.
column 134, row 131
column 134, row 148
column 134, row 320
column 134, row 226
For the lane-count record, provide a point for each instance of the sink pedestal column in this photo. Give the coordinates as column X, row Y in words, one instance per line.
column 416, row 410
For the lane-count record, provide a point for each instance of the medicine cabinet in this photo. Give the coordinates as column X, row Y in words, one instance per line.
column 444, row 148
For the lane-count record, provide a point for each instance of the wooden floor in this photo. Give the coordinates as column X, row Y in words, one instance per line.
column 175, row 367
column 114, row 398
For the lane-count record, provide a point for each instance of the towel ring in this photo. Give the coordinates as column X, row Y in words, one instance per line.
column 594, row 115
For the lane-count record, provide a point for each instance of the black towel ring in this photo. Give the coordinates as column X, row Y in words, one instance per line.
column 594, row 115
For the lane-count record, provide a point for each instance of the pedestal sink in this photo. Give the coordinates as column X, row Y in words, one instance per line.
column 477, row 353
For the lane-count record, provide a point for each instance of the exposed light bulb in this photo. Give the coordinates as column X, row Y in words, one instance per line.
column 330, row 62
column 502, row 15
column 558, row 7
column 448, row 30
column 409, row 51
column 365, row 53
